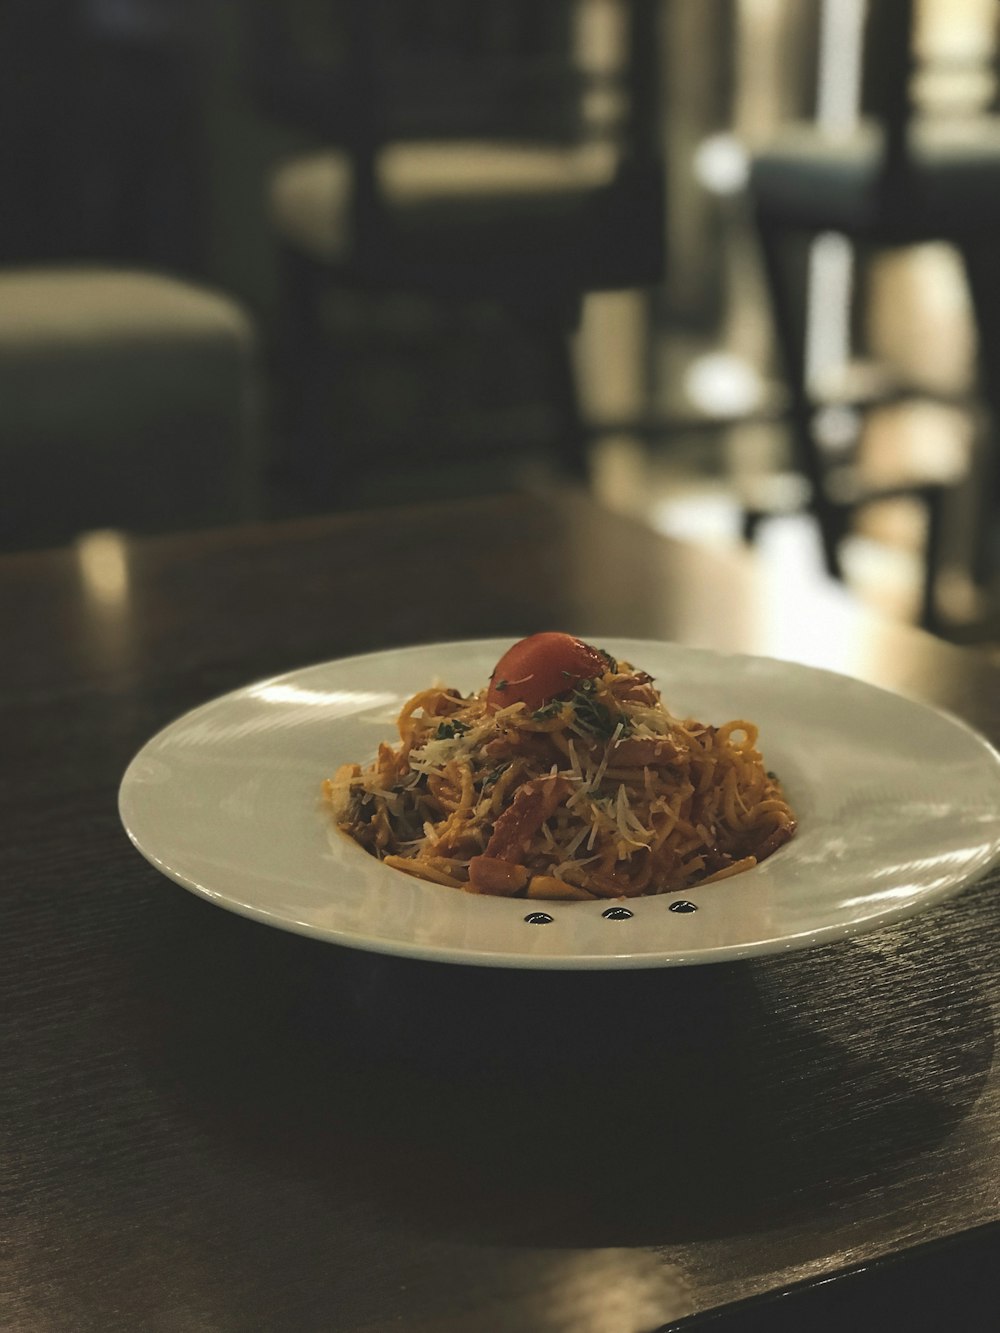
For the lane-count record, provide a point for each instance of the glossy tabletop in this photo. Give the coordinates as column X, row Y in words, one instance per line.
column 213, row 1125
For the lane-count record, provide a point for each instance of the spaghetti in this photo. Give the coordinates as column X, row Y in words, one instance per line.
column 598, row 793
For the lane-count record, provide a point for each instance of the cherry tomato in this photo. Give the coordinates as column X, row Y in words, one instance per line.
column 541, row 667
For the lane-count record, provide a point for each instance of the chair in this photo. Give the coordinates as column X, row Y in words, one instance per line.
column 894, row 179
column 127, row 399
column 463, row 154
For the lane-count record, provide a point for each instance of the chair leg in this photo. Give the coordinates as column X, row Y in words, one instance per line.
column 934, row 500
column 982, row 269
column 303, row 372
column 554, row 331
column 571, row 439
column 790, row 342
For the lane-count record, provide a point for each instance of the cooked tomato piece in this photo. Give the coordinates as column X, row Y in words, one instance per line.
column 534, row 803
column 496, row 878
column 541, row 667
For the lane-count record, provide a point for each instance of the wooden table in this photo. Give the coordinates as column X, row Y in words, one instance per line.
column 211, row 1125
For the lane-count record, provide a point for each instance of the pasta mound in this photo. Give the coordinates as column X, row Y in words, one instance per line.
column 600, row 793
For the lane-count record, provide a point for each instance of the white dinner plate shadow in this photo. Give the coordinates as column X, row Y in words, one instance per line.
column 898, row 806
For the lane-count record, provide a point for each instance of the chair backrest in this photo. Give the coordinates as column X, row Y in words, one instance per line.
column 887, row 83
column 419, row 69
column 908, row 77
column 440, row 69
column 359, row 74
column 375, row 71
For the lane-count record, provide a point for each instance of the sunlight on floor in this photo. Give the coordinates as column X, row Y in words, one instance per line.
column 724, row 449
column 887, row 577
column 672, row 491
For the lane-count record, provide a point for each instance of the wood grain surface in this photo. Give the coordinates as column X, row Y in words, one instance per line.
column 212, row 1125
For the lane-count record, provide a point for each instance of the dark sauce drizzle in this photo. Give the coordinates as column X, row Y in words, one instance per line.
column 612, row 913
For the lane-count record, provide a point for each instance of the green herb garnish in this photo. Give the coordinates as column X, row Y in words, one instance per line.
column 552, row 709
column 596, row 719
column 593, row 716
column 447, row 730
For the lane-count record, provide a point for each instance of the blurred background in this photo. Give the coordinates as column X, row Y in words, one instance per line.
column 728, row 263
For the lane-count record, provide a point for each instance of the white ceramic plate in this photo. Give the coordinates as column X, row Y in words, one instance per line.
column 898, row 805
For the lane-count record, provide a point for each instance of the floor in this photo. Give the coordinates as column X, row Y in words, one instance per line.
column 692, row 487
column 728, row 439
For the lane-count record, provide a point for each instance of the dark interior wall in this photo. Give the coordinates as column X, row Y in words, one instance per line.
column 38, row 42
column 128, row 134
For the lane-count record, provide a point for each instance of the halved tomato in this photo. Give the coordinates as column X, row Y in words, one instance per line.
column 541, row 667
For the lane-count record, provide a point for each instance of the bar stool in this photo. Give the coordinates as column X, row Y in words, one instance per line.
column 894, row 179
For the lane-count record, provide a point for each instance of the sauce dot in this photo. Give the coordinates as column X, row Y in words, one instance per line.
column 538, row 918
column 682, row 905
column 617, row 914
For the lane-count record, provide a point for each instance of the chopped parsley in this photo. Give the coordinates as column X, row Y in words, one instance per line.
column 593, row 716
column 447, row 730
column 552, row 709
